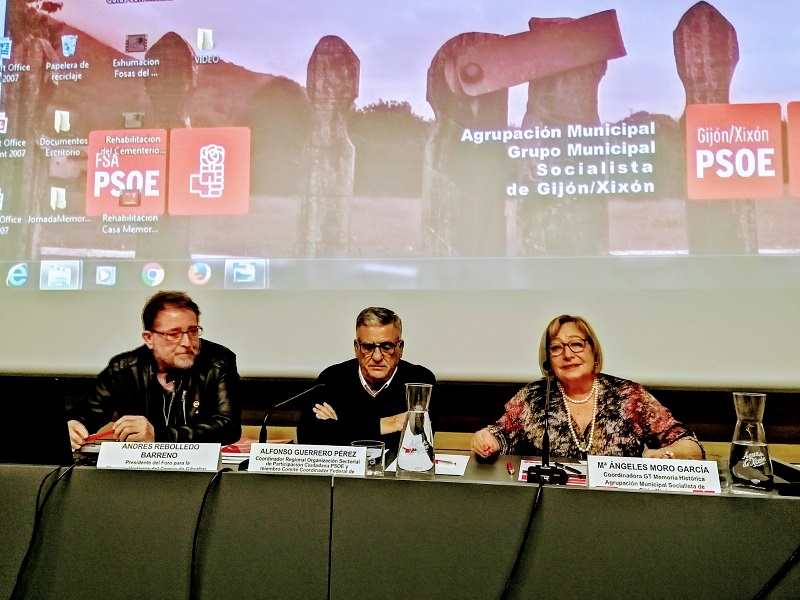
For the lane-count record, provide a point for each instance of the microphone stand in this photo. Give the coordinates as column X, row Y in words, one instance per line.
column 544, row 473
column 262, row 436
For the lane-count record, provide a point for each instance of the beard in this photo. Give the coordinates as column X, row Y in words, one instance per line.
column 183, row 361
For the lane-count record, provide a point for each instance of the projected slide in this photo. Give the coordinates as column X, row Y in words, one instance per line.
column 313, row 144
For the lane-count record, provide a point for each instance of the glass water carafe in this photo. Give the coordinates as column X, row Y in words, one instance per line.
column 415, row 456
column 750, row 465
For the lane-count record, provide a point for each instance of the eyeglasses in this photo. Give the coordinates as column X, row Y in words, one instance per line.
column 386, row 348
column 557, row 349
column 176, row 336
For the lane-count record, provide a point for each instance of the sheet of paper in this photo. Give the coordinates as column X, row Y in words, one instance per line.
column 446, row 464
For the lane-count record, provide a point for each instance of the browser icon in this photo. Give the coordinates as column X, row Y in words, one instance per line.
column 17, row 275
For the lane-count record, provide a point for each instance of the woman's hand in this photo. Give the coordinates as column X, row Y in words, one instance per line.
column 484, row 444
column 683, row 448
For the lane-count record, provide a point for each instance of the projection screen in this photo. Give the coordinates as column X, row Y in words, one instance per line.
column 480, row 167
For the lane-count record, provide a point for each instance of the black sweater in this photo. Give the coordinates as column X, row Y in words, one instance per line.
column 358, row 413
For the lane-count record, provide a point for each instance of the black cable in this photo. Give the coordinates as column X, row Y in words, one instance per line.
column 37, row 521
column 330, row 538
column 534, row 508
column 209, row 487
column 780, row 574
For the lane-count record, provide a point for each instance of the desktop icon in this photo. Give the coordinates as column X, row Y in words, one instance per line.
column 3, row 123
column 5, row 48
column 209, row 171
column 136, row 42
column 60, row 275
column 106, row 275
column 209, row 182
column 61, row 121
column 1, row 198
column 58, row 198
column 199, row 273
column 17, row 275
column 246, row 273
column 68, row 44
column 205, row 39
column 133, row 120
column 152, row 274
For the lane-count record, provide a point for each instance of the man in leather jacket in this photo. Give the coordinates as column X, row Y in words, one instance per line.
column 174, row 388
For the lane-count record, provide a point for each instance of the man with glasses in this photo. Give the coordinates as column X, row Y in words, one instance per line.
column 364, row 398
column 174, row 388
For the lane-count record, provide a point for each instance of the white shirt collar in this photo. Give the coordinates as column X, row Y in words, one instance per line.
column 367, row 387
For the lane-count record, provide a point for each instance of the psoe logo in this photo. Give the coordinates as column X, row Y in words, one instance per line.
column 209, row 182
column 17, row 275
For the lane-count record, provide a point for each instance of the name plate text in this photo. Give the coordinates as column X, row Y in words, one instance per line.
column 159, row 456
column 657, row 474
column 307, row 459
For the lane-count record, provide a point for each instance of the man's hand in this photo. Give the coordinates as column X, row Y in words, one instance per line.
column 77, row 434
column 393, row 423
column 324, row 411
column 132, row 428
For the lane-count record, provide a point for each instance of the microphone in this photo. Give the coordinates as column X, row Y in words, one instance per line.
column 262, row 436
column 544, row 473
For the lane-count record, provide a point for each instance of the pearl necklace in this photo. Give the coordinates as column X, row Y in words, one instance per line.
column 593, row 394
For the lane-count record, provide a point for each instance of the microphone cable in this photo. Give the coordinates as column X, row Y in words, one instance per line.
column 41, row 503
column 193, row 566
column 779, row 575
column 515, row 568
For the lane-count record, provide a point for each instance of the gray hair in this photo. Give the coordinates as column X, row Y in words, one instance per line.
column 373, row 316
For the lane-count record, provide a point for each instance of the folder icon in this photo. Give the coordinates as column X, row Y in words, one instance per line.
column 205, row 39
column 62, row 121
column 58, row 198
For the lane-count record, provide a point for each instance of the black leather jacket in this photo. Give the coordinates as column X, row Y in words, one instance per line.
column 204, row 408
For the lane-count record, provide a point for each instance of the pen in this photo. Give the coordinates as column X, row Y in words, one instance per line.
column 445, row 462
column 568, row 468
column 510, row 468
column 97, row 436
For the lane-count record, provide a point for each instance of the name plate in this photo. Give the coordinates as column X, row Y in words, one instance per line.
column 306, row 459
column 656, row 474
column 158, row 456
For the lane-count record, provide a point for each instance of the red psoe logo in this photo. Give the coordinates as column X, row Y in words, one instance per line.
column 209, row 171
column 126, row 172
column 734, row 151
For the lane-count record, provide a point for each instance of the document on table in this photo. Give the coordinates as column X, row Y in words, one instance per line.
column 446, row 464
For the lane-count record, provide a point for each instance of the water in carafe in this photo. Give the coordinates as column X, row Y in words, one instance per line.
column 750, row 466
column 415, row 456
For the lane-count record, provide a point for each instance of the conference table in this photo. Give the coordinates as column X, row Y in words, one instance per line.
column 146, row 534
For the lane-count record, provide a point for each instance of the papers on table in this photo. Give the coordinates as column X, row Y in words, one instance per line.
column 446, row 464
